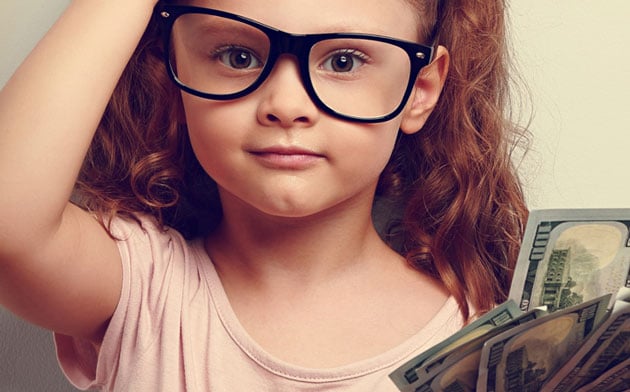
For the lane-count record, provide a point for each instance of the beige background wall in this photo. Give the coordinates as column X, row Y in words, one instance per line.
column 574, row 56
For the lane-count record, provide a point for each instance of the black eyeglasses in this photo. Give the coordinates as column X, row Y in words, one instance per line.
column 222, row 56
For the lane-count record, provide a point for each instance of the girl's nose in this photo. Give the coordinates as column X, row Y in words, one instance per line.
column 284, row 101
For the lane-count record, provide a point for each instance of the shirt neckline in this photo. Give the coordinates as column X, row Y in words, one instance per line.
column 396, row 355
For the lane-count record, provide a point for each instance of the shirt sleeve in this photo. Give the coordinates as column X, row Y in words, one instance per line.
column 147, row 262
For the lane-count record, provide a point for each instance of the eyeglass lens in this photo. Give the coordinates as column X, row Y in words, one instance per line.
column 355, row 77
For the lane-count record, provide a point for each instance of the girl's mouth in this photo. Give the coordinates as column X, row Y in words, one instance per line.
column 287, row 158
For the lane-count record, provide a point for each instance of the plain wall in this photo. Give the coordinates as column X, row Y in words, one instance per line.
column 573, row 55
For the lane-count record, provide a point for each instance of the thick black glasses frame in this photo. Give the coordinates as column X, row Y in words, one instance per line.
column 298, row 45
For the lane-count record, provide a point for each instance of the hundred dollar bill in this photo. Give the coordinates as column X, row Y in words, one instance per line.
column 608, row 346
column 616, row 379
column 523, row 358
column 406, row 375
column 453, row 366
column 460, row 377
column 571, row 256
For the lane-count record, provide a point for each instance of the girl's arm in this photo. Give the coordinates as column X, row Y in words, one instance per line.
column 58, row 267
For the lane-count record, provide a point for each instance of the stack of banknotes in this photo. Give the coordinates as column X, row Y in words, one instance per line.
column 566, row 325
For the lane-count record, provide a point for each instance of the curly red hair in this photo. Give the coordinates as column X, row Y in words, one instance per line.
column 464, row 209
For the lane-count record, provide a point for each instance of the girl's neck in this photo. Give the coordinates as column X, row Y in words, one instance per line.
column 305, row 250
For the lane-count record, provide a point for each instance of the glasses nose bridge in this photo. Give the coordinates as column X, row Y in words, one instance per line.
column 297, row 45
column 287, row 43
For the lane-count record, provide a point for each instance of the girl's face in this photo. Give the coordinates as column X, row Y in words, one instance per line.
column 274, row 150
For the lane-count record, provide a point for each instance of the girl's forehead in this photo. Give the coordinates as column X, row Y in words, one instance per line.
column 396, row 18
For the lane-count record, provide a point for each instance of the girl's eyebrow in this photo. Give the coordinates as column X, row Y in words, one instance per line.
column 221, row 28
column 342, row 27
column 217, row 24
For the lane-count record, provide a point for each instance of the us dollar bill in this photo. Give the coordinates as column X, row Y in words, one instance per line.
column 452, row 367
column 615, row 379
column 571, row 256
column 405, row 376
column 461, row 376
column 525, row 357
column 605, row 349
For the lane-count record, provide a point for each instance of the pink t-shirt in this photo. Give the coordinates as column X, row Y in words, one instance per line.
column 174, row 330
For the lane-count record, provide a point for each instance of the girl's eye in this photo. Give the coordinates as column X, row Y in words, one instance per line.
column 238, row 58
column 344, row 61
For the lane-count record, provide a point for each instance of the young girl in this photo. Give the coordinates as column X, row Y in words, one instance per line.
column 221, row 235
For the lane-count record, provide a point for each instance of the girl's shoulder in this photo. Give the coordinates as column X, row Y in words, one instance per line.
column 150, row 250
column 142, row 238
column 123, row 228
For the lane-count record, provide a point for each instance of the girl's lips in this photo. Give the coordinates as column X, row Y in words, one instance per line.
column 287, row 158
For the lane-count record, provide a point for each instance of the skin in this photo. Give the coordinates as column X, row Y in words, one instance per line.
column 297, row 252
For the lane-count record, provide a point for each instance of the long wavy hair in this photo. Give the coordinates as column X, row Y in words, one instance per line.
column 462, row 210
